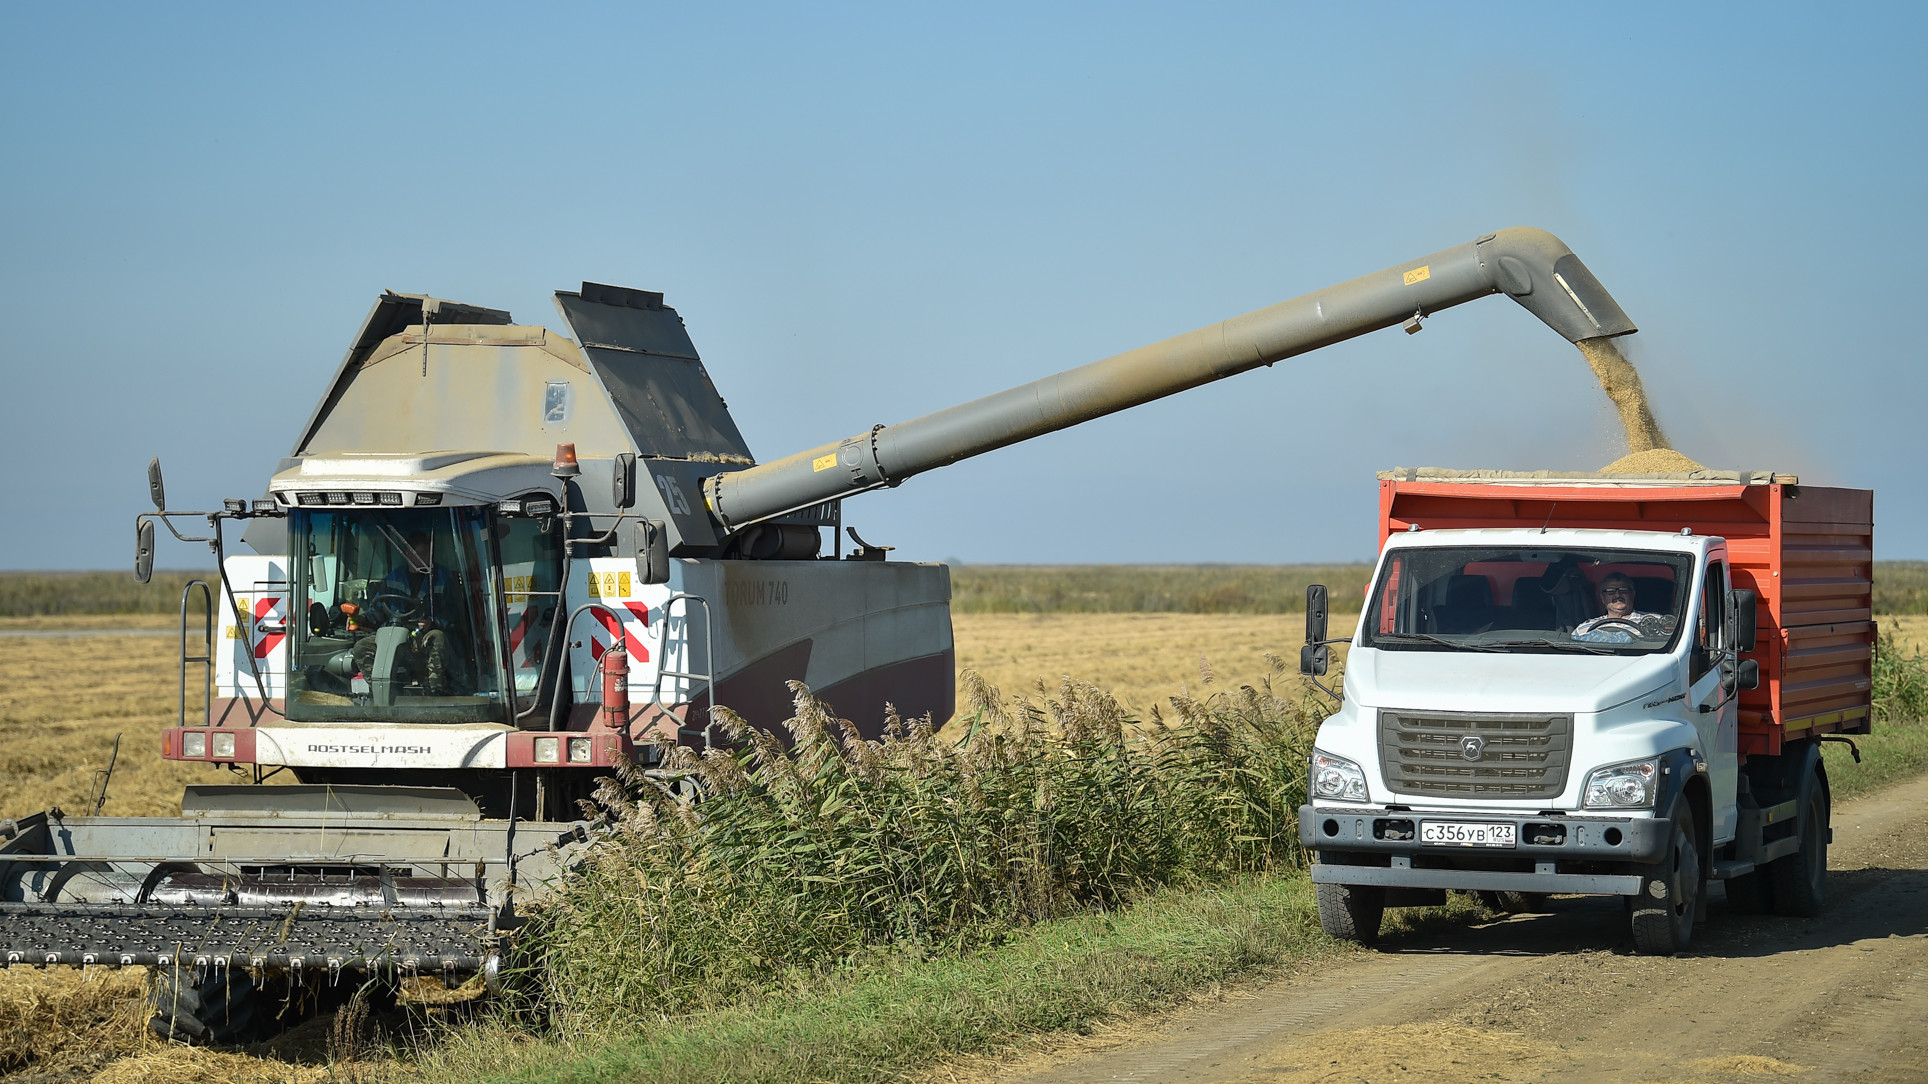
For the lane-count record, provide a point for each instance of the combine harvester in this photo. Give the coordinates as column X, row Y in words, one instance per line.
column 499, row 562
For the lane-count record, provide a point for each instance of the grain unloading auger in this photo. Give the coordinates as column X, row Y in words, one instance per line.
column 500, row 561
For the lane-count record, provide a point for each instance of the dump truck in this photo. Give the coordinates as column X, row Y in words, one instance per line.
column 500, row 563
column 1592, row 684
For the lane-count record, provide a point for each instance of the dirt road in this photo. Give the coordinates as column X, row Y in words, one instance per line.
column 1558, row 996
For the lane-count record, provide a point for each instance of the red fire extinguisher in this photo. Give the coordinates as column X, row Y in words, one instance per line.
column 615, row 688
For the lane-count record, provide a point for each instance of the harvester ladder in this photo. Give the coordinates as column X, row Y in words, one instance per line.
column 709, row 660
column 205, row 658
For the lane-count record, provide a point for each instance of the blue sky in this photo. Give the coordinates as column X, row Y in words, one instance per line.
column 867, row 213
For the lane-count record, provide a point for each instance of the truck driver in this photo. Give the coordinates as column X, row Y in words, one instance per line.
column 1621, row 623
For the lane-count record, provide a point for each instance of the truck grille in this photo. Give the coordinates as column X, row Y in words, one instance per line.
column 1463, row 755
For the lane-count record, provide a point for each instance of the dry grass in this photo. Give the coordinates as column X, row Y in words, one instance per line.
column 1140, row 658
column 66, row 699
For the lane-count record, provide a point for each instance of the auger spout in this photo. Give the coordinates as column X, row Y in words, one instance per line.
column 1532, row 266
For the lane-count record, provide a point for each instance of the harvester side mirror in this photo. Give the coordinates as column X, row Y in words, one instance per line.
column 155, row 491
column 144, row 545
column 652, row 552
column 1746, row 621
column 623, row 474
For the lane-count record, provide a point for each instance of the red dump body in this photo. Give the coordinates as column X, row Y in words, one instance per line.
column 1807, row 551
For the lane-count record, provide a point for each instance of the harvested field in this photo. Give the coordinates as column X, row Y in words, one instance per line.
column 66, row 1026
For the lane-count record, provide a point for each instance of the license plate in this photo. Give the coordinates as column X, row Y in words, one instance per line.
column 1466, row 833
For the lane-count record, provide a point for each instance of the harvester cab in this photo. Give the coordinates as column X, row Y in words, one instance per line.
column 500, row 563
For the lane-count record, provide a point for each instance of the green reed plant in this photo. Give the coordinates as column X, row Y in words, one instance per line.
column 806, row 857
column 1898, row 682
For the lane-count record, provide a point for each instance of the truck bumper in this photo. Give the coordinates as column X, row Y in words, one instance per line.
column 1366, row 845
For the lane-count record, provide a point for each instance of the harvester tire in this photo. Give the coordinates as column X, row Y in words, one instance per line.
column 1800, row 879
column 1352, row 912
column 215, row 1007
column 1662, row 915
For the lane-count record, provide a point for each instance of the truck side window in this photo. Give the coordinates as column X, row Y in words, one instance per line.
column 1710, row 624
column 1389, row 599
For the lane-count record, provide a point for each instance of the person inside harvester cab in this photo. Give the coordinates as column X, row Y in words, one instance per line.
column 416, row 595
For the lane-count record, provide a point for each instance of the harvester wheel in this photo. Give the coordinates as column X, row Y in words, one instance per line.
column 1352, row 912
column 202, row 1007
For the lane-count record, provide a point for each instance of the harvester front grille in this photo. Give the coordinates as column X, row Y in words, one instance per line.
column 1467, row 755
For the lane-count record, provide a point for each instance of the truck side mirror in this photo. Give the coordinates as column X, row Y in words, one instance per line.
column 155, row 491
column 623, row 474
column 1313, row 660
column 1746, row 621
column 1748, row 674
column 144, row 546
column 1315, row 656
column 652, row 552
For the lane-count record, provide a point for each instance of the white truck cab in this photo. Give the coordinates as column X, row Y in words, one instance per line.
column 1504, row 730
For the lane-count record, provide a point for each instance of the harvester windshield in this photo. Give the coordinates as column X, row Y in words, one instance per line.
column 1556, row 599
column 396, row 616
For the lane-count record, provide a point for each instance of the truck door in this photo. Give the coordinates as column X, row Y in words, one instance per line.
column 1716, row 712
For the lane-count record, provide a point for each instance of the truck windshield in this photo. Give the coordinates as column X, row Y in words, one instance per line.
column 1554, row 599
column 394, row 617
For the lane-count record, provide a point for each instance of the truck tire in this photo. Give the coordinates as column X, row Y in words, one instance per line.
column 1800, row 880
column 196, row 1007
column 1352, row 912
column 1662, row 916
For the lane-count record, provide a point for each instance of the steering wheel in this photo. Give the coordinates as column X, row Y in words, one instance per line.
column 1625, row 625
column 392, row 605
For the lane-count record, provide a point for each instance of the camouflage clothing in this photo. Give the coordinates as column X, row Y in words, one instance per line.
column 424, row 658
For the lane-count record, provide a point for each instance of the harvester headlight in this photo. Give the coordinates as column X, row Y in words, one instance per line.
column 310, row 498
column 539, row 506
column 265, row 506
column 223, row 746
column 337, row 497
column 194, row 743
column 548, row 750
column 1337, row 778
column 393, row 499
column 364, row 498
column 427, row 500
column 509, row 507
column 1622, row 786
column 234, row 504
column 579, row 750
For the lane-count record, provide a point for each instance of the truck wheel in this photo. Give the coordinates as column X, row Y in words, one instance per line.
column 1351, row 912
column 1662, row 916
column 1800, row 879
column 1514, row 903
column 191, row 1006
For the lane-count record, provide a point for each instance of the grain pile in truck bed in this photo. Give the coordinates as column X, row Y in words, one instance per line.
column 1652, row 461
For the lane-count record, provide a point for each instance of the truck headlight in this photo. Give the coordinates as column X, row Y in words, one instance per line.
column 1337, row 777
column 1622, row 786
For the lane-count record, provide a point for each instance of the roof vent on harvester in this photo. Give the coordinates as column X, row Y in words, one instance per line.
column 649, row 367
